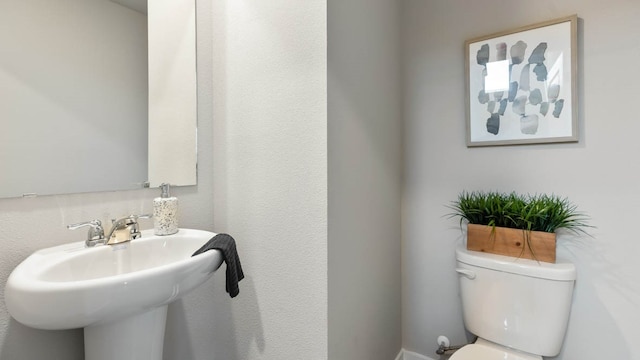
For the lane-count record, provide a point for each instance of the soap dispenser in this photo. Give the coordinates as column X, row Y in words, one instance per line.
column 165, row 212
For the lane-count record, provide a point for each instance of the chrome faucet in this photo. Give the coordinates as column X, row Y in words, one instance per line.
column 130, row 222
column 96, row 236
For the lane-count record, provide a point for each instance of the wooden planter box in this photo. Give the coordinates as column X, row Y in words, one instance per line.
column 512, row 242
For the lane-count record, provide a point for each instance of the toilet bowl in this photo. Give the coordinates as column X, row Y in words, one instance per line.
column 518, row 308
column 485, row 350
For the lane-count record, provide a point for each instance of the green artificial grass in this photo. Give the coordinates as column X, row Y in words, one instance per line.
column 528, row 212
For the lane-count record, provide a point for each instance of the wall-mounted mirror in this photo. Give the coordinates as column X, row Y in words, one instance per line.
column 96, row 95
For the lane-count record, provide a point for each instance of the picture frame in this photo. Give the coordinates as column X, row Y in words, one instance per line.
column 521, row 85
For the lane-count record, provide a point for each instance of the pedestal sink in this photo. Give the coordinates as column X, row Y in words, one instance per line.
column 117, row 293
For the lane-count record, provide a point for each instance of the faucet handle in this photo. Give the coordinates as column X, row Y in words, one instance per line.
column 135, row 232
column 132, row 219
column 95, row 234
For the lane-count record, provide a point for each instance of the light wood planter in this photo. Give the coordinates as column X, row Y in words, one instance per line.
column 512, row 242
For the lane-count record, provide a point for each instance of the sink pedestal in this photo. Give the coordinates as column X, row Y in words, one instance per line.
column 138, row 336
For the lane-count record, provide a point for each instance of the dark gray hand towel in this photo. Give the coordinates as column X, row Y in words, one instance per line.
column 227, row 246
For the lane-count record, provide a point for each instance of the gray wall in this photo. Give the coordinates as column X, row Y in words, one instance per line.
column 600, row 173
column 365, row 161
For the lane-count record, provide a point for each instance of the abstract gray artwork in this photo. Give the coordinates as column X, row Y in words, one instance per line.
column 532, row 79
column 521, row 85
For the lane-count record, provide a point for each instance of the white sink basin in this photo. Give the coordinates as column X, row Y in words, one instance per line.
column 104, row 287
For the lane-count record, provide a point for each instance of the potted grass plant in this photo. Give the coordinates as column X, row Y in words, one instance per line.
column 516, row 225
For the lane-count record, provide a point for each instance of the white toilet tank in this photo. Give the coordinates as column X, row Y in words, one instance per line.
column 518, row 303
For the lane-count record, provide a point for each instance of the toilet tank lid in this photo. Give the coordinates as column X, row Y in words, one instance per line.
column 562, row 270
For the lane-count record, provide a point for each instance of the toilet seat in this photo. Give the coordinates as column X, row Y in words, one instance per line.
column 484, row 350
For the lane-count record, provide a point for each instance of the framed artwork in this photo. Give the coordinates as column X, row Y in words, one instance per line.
column 521, row 85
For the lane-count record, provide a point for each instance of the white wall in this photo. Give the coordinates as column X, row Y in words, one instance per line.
column 33, row 223
column 365, row 161
column 600, row 173
column 263, row 165
column 270, row 177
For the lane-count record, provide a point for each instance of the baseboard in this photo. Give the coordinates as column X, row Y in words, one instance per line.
column 409, row 355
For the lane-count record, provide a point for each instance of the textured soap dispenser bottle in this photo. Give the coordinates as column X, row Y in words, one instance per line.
column 165, row 213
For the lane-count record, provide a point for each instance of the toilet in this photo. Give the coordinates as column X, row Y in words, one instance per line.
column 518, row 308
